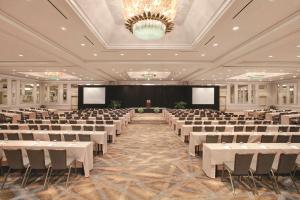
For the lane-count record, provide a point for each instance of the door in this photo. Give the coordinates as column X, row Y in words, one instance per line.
column 74, row 102
column 223, row 103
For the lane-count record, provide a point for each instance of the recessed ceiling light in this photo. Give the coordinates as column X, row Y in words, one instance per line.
column 63, row 28
column 26, row 75
column 235, row 28
column 95, row 54
column 294, row 76
column 122, row 54
column 215, row 44
column 14, row 70
column 21, row 55
column 176, row 54
column 298, row 46
column 82, row 44
column 298, row 56
column 270, row 56
column 203, row 54
column 148, row 54
column 172, row 79
column 64, row 70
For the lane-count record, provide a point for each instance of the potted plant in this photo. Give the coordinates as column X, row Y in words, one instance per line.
column 140, row 110
column 115, row 104
column 156, row 110
column 180, row 105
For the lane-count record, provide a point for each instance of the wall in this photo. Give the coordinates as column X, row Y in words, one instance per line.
column 14, row 98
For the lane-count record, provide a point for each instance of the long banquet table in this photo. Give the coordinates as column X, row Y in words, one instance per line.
column 81, row 151
column 216, row 154
column 109, row 128
column 15, row 116
column 98, row 137
column 187, row 129
column 199, row 138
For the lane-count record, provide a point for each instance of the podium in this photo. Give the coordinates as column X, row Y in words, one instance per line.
column 148, row 103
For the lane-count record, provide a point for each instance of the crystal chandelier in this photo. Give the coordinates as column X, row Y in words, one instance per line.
column 149, row 19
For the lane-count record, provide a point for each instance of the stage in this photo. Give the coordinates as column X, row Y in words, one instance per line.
column 148, row 110
column 148, row 118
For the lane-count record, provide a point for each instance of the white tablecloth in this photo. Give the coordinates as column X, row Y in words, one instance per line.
column 199, row 138
column 98, row 137
column 187, row 129
column 81, row 151
column 217, row 154
column 109, row 128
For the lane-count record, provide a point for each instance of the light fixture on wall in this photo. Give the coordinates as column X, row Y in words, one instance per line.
column 149, row 20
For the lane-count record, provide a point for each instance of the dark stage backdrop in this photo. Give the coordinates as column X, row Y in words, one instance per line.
column 136, row 96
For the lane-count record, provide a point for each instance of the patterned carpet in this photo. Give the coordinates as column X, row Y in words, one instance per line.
column 148, row 161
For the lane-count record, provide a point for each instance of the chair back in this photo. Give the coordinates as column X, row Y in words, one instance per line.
column 209, row 128
column 264, row 163
column 54, row 137
column 84, row 137
column 222, row 122
column 13, row 127
column 63, row 121
column 27, row 136
column 38, row 121
column 294, row 129
column 197, row 128
column 56, row 127
column 12, row 136
column 220, row 128
column 242, row 138
column 33, row 127
column 14, row 158
column 250, row 128
column 227, row 138
column 44, row 127
column 54, row 121
column 261, row 128
column 295, row 139
column 99, row 122
column 69, row 137
column 3, row 127
column 238, row 128
column 99, row 128
column 36, row 158
column 89, row 122
column 76, row 128
column 282, row 138
column 212, row 138
column 283, row 129
column 267, row 138
column 188, row 122
column 286, row 163
column 198, row 122
column 232, row 122
column 58, row 159
column 72, row 121
column 1, row 136
column 242, row 164
column 241, row 122
column 206, row 122
column 88, row 128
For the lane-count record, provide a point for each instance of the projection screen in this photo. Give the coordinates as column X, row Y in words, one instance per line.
column 94, row 95
column 203, row 95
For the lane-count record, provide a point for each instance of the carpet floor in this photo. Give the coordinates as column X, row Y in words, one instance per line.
column 148, row 161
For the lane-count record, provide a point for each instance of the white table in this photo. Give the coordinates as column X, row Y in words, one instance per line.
column 81, row 151
column 217, row 154
column 109, row 128
column 187, row 129
column 98, row 137
column 199, row 138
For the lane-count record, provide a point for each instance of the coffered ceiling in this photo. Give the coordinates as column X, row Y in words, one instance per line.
column 212, row 40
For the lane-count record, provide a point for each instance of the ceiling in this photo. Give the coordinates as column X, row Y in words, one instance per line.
column 87, row 40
